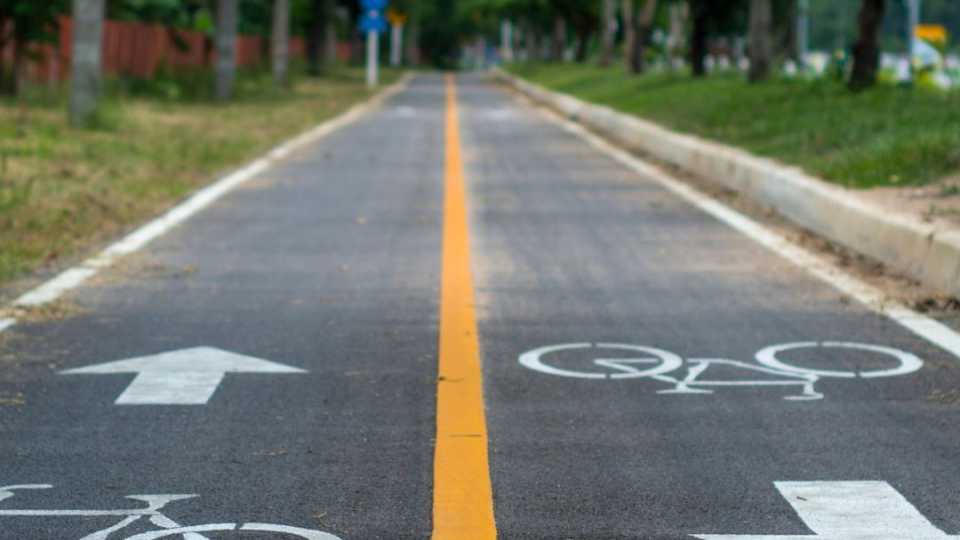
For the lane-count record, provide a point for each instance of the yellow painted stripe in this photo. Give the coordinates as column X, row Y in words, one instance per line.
column 462, row 496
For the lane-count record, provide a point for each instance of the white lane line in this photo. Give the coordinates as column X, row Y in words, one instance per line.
column 849, row 511
column 921, row 325
column 74, row 277
column 6, row 323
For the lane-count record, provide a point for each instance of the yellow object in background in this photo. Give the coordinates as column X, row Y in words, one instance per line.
column 936, row 34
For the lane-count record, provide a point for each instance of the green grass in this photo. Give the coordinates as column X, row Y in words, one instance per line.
column 62, row 190
column 881, row 137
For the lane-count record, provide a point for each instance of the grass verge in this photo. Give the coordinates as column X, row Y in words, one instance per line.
column 64, row 189
column 886, row 136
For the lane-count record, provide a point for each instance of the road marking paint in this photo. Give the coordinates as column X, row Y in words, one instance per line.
column 694, row 382
column 74, row 277
column 868, row 295
column 54, row 288
column 185, row 377
column 462, row 494
column 850, row 511
column 6, row 323
column 155, row 503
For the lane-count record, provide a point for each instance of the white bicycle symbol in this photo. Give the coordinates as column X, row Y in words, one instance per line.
column 154, row 503
column 658, row 364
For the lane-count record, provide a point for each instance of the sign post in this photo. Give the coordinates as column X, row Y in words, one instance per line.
column 913, row 20
column 397, row 22
column 373, row 22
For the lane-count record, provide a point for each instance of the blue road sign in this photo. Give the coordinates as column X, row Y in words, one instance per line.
column 378, row 5
column 373, row 21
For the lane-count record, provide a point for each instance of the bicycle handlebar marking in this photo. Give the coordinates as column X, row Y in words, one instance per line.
column 768, row 364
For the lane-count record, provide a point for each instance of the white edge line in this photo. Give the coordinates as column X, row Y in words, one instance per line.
column 74, row 277
column 921, row 325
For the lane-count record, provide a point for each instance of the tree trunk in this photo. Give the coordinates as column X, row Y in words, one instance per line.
column 532, row 41
column 698, row 42
column 413, row 42
column 866, row 52
column 226, row 45
column 583, row 44
column 87, row 53
column 331, row 39
column 791, row 34
column 760, row 49
column 609, row 32
column 280, row 43
column 676, row 41
column 316, row 34
column 19, row 73
column 559, row 44
column 629, row 33
column 644, row 30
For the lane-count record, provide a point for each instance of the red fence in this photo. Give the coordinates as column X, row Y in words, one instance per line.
column 139, row 50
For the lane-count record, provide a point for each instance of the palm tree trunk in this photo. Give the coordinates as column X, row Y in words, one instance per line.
column 866, row 52
column 87, row 54
column 761, row 22
column 280, row 43
column 226, row 37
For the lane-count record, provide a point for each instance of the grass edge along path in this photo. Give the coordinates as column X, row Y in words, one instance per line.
column 63, row 190
column 885, row 136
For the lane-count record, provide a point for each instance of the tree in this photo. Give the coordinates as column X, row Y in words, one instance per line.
column 609, row 31
column 643, row 35
column 24, row 23
column 711, row 18
column 699, row 33
column 226, row 40
column 760, row 46
column 629, row 33
column 866, row 52
column 318, row 30
column 87, row 53
column 280, row 42
column 558, row 43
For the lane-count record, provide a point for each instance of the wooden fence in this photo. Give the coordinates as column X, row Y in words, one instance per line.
column 140, row 50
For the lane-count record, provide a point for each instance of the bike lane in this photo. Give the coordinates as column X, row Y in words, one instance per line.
column 571, row 247
column 328, row 263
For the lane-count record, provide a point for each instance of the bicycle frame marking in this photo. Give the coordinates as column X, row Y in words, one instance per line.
column 658, row 364
column 155, row 503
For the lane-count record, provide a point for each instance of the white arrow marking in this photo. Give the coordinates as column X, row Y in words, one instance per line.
column 185, row 377
column 850, row 511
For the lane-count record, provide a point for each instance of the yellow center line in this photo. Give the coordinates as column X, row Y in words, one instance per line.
column 462, row 496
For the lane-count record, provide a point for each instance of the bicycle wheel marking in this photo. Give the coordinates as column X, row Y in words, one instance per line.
column 769, row 370
column 624, row 367
column 908, row 362
column 151, row 513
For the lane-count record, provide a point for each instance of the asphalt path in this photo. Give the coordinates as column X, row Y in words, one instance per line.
column 619, row 332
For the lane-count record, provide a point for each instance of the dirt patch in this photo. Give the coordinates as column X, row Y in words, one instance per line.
column 12, row 399
column 51, row 311
column 140, row 266
column 937, row 203
column 257, row 184
column 945, row 397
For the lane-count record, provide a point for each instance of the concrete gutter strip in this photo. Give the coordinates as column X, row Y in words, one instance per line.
column 925, row 252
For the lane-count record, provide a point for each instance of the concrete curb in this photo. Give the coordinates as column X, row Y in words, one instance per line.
column 925, row 252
